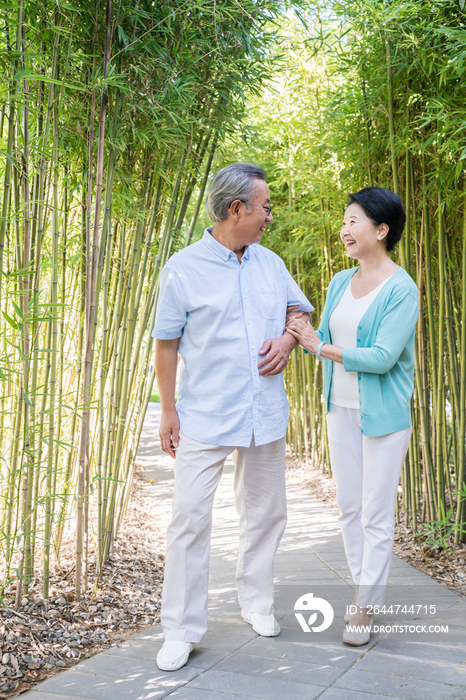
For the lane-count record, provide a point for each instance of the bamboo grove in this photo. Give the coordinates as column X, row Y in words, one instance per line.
column 110, row 118
column 373, row 94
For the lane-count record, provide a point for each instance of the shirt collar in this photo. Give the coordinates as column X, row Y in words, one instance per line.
column 219, row 249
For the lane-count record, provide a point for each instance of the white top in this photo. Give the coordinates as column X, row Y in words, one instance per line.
column 343, row 325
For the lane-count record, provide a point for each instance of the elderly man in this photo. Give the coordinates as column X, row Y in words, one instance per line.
column 222, row 305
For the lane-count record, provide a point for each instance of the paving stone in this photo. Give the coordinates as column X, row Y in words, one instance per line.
column 425, row 651
column 340, row 569
column 280, row 669
column 224, row 642
column 239, row 628
column 455, row 635
column 205, row 658
column 188, row 693
column 336, row 562
column 117, row 665
column 336, row 627
column 413, row 668
column 137, row 649
column 248, row 686
column 442, row 617
column 311, row 572
column 301, row 651
column 295, row 634
column 411, row 581
column 339, row 694
column 307, row 559
column 38, row 694
column 150, row 686
column 399, row 595
column 398, row 687
column 325, row 582
column 411, row 572
column 292, row 551
column 154, row 634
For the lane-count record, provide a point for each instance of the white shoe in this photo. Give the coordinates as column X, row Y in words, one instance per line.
column 359, row 636
column 265, row 625
column 173, row 655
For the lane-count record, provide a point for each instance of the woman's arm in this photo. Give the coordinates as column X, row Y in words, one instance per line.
column 395, row 330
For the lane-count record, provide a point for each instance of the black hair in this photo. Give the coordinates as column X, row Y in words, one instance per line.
column 382, row 207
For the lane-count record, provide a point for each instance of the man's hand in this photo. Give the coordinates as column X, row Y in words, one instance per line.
column 169, row 431
column 291, row 314
column 276, row 352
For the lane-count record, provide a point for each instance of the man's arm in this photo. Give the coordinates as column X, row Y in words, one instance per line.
column 166, row 360
column 276, row 352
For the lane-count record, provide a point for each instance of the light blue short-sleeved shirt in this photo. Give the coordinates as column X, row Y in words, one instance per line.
column 223, row 312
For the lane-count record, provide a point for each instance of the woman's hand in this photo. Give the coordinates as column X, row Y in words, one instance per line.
column 304, row 333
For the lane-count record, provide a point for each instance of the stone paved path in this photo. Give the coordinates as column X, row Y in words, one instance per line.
column 234, row 663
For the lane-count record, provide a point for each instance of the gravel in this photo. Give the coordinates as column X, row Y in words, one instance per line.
column 43, row 636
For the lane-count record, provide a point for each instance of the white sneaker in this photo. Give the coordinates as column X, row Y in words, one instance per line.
column 173, row 655
column 265, row 625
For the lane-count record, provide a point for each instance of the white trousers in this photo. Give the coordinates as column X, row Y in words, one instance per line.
column 367, row 471
column 259, row 485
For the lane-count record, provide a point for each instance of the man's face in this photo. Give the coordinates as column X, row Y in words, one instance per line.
column 251, row 225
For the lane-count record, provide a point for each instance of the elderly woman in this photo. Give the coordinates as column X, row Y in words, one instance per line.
column 366, row 341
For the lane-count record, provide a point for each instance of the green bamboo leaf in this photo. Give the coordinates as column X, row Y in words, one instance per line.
column 459, row 168
column 25, row 73
column 10, row 320
column 18, row 310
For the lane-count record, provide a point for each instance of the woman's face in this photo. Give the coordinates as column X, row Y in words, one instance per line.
column 359, row 233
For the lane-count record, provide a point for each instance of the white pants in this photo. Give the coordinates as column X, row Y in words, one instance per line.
column 367, row 471
column 259, row 484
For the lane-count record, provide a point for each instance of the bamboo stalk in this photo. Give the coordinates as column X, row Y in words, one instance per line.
column 54, row 350
column 440, row 408
column 460, row 509
column 391, row 116
column 83, row 473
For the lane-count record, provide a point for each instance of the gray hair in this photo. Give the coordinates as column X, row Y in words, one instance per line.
column 235, row 181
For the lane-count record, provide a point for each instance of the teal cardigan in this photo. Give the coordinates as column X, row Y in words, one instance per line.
column 384, row 356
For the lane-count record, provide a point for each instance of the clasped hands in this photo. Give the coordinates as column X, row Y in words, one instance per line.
column 298, row 325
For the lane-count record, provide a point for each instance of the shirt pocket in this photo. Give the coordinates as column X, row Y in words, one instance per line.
column 268, row 304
